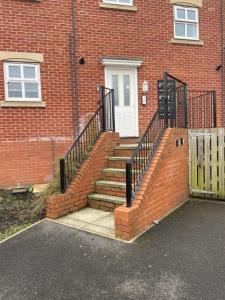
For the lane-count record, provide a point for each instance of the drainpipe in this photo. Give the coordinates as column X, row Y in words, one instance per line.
column 222, row 62
column 73, row 72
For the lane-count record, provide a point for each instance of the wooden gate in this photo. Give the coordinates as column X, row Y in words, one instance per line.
column 207, row 163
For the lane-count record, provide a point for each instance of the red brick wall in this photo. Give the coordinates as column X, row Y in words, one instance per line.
column 39, row 27
column 165, row 186
column 146, row 34
column 84, row 182
column 28, row 162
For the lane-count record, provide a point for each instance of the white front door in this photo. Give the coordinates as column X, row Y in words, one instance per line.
column 124, row 83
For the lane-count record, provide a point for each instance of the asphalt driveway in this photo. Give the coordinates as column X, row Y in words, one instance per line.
column 181, row 258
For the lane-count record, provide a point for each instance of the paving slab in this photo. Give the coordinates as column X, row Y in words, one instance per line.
column 182, row 258
column 89, row 215
column 91, row 220
column 107, row 222
column 100, row 230
column 72, row 223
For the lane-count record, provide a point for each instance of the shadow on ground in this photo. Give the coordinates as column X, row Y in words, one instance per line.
column 181, row 258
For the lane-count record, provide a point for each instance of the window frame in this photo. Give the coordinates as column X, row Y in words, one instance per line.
column 23, row 80
column 185, row 21
column 118, row 2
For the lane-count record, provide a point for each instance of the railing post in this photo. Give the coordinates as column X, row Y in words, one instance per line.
column 129, row 184
column 185, row 106
column 62, row 176
column 165, row 83
column 103, row 110
column 214, row 110
column 113, row 111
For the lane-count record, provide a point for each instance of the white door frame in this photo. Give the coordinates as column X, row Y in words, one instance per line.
column 133, row 69
column 107, row 69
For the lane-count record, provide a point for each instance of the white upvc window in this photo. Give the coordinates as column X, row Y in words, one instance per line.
column 186, row 23
column 120, row 2
column 22, row 81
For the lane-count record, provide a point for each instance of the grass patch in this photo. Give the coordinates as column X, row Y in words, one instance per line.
column 18, row 211
column 12, row 230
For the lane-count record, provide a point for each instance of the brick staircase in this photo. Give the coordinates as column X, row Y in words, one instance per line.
column 110, row 190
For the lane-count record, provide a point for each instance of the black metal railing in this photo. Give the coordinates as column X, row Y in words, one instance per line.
column 175, row 101
column 108, row 109
column 172, row 112
column 202, row 109
column 102, row 120
column 177, row 107
column 142, row 156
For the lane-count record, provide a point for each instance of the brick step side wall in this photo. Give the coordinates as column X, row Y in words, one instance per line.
column 84, row 182
column 164, row 187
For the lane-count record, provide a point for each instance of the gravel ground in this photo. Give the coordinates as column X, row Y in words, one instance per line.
column 18, row 211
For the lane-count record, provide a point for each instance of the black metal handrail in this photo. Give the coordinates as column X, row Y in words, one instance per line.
column 108, row 108
column 175, row 97
column 172, row 112
column 102, row 120
column 202, row 109
column 142, row 156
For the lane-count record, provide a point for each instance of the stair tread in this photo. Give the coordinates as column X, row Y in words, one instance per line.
column 119, row 170
column 126, row 146
column 111, row 183
column 124, row 158
column 108, row 198
column 129, row 146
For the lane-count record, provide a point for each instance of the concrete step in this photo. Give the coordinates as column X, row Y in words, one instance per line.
column 113, row 188
column 107, row 198
column 126, row 150
column 126, row 146
column 112, row 184
column 131, row 146
column 131, row 140
column 115, row 174
column 120, row 161
column 119, row 158
column 123, row 152
column 116, row 170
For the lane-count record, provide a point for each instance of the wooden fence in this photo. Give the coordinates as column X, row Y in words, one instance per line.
column 207, row 163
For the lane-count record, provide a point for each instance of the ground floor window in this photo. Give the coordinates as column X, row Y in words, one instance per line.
column 22, row 81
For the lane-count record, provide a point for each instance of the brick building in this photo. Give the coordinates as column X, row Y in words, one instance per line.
column 35, row 91
column 47, row 94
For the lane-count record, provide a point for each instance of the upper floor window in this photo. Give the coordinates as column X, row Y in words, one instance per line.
column 122, row 2
column 186, row 23
column 22, row 82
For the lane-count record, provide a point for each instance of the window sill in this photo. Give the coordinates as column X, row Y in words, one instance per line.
column 187, row 42
column 22, row 104
column 118, row 6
